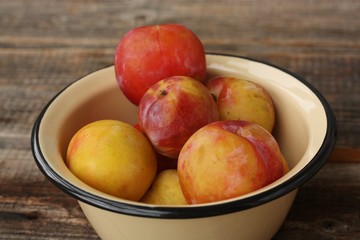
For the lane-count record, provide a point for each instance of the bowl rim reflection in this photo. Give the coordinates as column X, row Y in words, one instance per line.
column 194, row 211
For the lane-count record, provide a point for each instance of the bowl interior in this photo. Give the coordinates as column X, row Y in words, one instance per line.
column 301, row 121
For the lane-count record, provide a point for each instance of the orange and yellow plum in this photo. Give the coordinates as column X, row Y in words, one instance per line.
column 113, row 157
column 172, row 110
column 227, row 159
column 239, row 99
column 165, row 190
column 149, row 54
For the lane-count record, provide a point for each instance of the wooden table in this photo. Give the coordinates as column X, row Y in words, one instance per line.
column 45, row 45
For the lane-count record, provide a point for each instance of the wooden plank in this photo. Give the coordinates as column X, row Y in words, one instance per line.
column 345, row 155
column 45, row 72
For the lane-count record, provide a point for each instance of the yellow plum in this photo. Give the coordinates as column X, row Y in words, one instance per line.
column 165, row 190
column 113, row 157
column 239, row 99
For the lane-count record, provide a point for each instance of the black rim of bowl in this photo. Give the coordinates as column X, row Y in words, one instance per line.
column 200, row 210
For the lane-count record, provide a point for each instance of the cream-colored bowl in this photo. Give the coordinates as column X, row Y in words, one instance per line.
column 305, row 130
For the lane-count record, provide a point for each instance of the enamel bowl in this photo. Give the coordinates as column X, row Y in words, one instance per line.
column 305, row 130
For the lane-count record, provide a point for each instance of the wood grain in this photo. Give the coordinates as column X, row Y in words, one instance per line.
column 45, row 45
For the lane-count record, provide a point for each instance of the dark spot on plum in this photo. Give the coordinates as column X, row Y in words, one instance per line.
column 163, row 92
